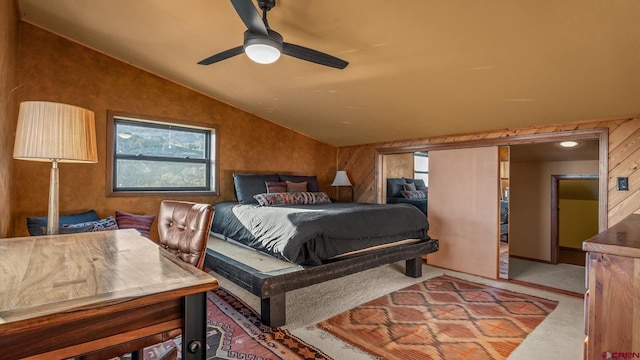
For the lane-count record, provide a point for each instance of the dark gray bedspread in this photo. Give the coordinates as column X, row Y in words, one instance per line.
column 312, row 234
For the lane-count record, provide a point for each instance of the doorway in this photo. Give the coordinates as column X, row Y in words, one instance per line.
column 574, row 216
column 527, row 209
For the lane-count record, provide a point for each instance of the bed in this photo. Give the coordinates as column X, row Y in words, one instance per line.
column 311, row 240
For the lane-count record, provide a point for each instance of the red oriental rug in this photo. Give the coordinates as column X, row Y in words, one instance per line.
column 234, row 331
column 442, row 318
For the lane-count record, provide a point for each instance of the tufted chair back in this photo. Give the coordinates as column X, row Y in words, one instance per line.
column 184, row 229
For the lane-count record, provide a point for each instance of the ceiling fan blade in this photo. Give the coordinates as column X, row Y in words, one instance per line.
column 314, row 56
column 222, row 56
column 250, row 16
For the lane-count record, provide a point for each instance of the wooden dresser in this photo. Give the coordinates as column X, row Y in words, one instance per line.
column 612, row 301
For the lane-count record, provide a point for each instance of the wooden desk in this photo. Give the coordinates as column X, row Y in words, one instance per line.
column 66, row 295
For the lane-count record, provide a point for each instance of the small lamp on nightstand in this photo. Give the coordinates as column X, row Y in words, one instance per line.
column 342, row 179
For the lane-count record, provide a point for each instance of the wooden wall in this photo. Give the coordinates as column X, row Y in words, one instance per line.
column 52, row 68
column 8, row 66
column 624, row 158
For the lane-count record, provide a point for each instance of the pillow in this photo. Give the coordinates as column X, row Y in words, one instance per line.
column 248, row 185
column 312, row 181
column 409, row 187
column 76, row 228
column 108, row 223
column 293, row 198
column 296, row 186
column 416, row 194
column 276, row 187
column 394, row 186
column 142, row 223
column 420, row 185
column 38, row 225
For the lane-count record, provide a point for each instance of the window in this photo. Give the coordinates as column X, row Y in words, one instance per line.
column 160, row 156
column 421, row 166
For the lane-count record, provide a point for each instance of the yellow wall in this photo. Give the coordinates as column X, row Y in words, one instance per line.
column 530, row 202
column 578, row 221
column 8, row 63
column 54, row 69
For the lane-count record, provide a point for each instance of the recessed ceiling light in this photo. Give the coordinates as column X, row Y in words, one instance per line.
column 569, row 144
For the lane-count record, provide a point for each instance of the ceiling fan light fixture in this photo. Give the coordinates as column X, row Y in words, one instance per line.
column 263, row 49
column 262, row 53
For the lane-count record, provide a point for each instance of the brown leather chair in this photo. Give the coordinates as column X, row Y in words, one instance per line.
column 184, row 230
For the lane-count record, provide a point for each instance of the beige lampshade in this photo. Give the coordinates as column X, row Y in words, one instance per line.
column 50, row 131
column 341, row 179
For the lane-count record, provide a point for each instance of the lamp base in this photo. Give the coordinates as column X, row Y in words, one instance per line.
column 53, row 217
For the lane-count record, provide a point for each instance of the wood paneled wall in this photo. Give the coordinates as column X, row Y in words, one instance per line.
column 52, row 68
column 8, row 67
column 624, row 158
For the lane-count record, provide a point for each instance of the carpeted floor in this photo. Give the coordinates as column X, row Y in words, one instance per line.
column 442, row 318
column 560, row 336
column 560, row 276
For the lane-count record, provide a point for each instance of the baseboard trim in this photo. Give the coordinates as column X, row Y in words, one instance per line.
column 530, row 259
column 571, row 249
column 546, row 288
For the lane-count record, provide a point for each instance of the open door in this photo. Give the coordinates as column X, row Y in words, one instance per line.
column 464, row 210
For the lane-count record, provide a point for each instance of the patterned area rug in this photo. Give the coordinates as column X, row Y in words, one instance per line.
column 442, row 318
column 234, row 331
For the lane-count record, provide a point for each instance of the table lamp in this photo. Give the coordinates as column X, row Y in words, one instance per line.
column 342, row 179
column 56, row 133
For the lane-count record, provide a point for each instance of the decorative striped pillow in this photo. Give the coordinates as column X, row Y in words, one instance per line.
column 276, row 187
column 416, row 194
column 108, row 223
column 296, row 198
column 142, row 223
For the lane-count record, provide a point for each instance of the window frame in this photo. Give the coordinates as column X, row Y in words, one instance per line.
column 154, row 121
column 421, row 172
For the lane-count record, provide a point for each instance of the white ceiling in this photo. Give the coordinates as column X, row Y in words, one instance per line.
column 417, row 68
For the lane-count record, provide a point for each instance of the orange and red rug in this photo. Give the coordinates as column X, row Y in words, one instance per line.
column 234, row 331
column 442, row 318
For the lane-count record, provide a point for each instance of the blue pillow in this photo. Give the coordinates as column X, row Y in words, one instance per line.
column 38, row 225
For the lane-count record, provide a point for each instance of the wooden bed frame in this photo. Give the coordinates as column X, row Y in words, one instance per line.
column 272, row 286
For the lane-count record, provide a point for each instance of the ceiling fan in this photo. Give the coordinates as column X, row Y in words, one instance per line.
column 263, row 45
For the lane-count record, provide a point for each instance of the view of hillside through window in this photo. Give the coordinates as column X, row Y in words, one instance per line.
column 161, row 157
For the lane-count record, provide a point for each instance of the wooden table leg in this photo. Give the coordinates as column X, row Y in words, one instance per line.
column 194, row 332
column 273, row 310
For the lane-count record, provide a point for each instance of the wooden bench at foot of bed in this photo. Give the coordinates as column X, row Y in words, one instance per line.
column 270, row 279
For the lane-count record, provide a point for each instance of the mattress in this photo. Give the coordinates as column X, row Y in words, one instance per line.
column 310, row 235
